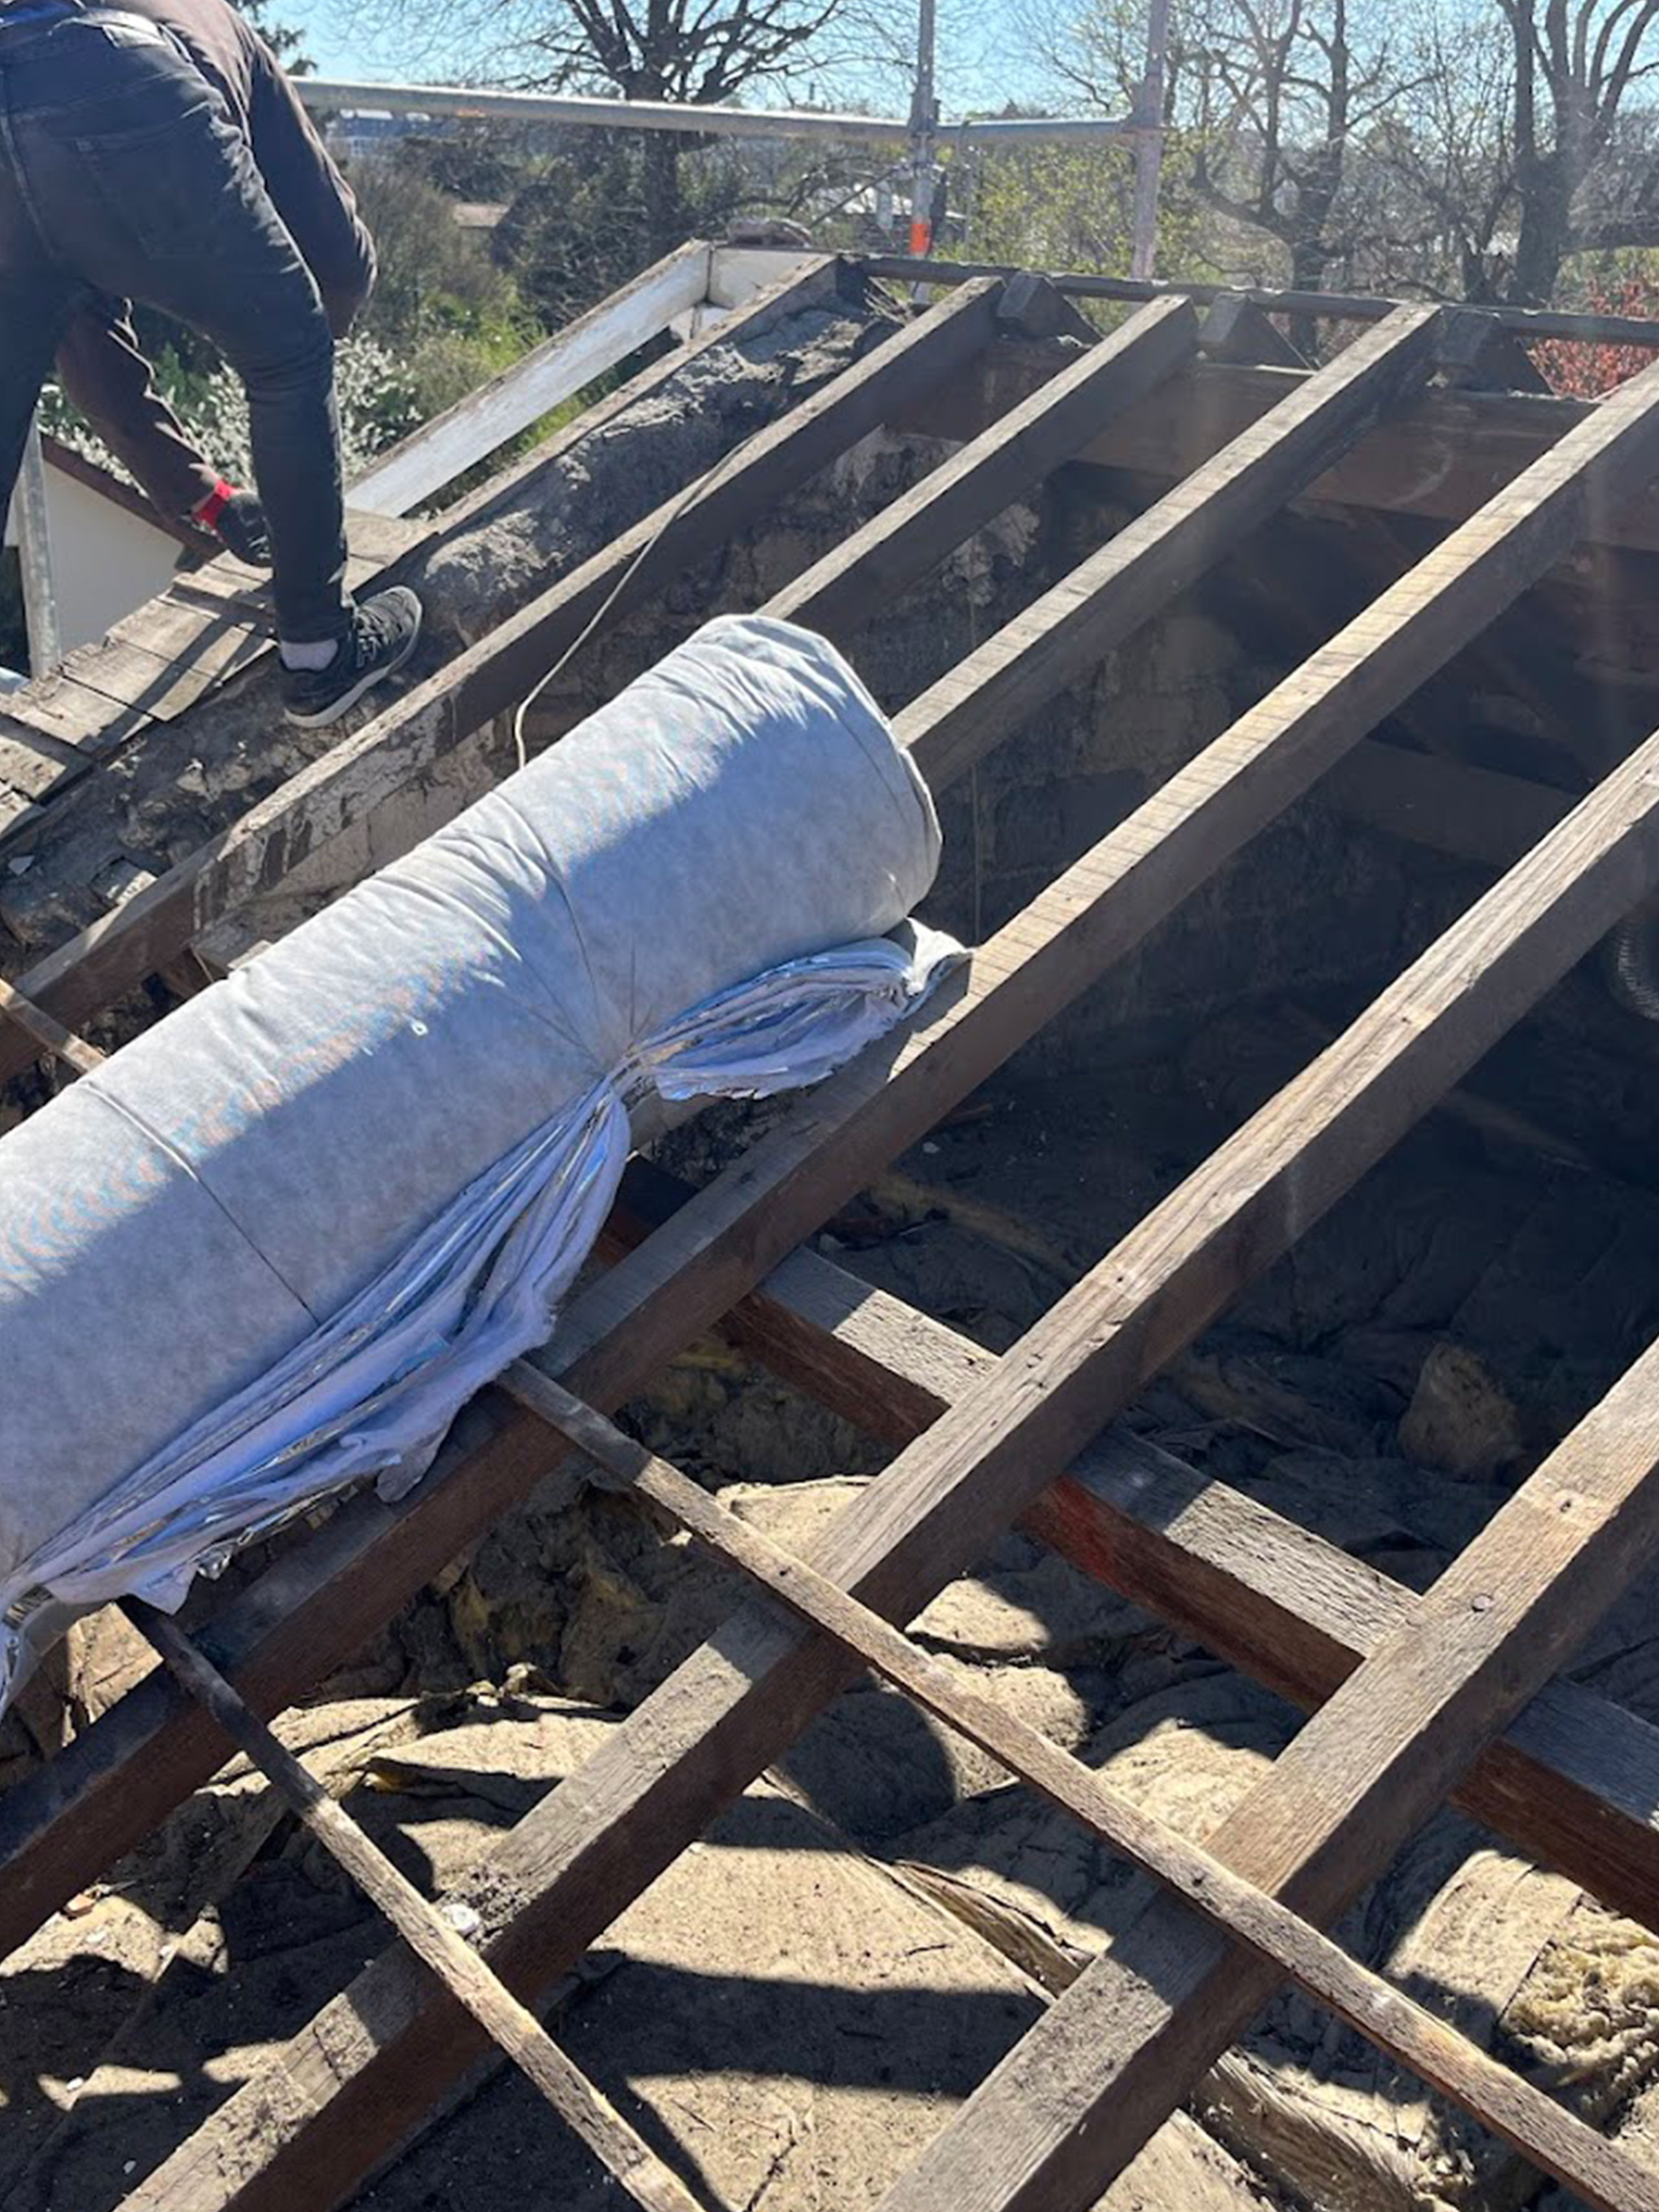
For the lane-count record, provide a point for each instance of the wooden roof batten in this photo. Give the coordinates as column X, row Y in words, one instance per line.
column 1416, row 1699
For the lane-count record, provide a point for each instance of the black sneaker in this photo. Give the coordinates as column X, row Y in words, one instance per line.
column 384, row 630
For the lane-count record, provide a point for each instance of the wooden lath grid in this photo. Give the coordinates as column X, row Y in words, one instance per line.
column 1554, row 2138
column 1416, row 1699
column 436, row 1939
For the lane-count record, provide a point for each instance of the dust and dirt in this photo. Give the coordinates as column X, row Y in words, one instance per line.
column 792, row 2011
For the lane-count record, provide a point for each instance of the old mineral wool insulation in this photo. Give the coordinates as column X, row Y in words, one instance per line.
column 273, row 1245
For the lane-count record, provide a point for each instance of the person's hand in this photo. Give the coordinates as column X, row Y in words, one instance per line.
column 242, row 526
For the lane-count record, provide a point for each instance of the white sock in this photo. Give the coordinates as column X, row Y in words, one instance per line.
column 310, row 658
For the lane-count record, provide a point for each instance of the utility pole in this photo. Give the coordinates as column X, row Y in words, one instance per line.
column 1149, row 144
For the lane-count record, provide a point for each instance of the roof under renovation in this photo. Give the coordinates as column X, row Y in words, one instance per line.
column 1184, row 1410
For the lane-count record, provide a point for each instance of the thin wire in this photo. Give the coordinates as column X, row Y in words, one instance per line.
column 693, row 491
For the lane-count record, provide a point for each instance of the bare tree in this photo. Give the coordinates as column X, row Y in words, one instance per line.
column 1575, row 68
column 1531, row 140
column 1269, row 101
column 692, row 52
column 1437, row 173
column 1286, row 90
column 699, row 52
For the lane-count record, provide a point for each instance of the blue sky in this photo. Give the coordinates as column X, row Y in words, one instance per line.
column 975, row 67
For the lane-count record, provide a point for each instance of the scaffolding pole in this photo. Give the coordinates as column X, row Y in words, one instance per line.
column 924, row 123
column 34, row 551
column 1149, row 144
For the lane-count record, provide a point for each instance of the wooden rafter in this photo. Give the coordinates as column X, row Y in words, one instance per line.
column 1473, row 813
column 1109, row 596
column 732, row 1709
column 1575, row 1780
column 140, row 1759
column 1235, row 1909
column 1393, row 1741
column 1071, row 2104
column 1005, row 462
column 434, row 1939
column 1419, row 1698
column 423, row 464
column 51, row 1036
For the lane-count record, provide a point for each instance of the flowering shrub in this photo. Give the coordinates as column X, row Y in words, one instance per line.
column 1584, row 368
column 375, row 393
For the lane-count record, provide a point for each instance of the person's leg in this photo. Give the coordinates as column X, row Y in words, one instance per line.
column 140, row 184
column 145, row 186
column 105, row 375
column 35, row 302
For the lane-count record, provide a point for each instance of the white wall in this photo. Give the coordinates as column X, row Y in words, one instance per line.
column 736, row 273
column 107, row 562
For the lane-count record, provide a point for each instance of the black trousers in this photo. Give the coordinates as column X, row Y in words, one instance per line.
column 122, row 173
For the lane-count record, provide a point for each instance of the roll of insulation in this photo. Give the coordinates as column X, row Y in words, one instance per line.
column 270, row 1246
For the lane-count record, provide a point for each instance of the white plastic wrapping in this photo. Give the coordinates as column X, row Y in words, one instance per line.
column 272, row 1246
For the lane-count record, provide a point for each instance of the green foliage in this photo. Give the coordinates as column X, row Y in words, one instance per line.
column 446, row 365
column 286, row 42
column 586, row 222
column 1071, row 208
column 441, row 307
column 434, row 276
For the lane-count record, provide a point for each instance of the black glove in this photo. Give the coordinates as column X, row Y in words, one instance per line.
column 242, row 526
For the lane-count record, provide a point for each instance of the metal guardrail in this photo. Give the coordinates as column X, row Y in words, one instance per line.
column 330, row 95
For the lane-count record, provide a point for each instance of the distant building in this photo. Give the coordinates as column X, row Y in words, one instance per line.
column 358, row 134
